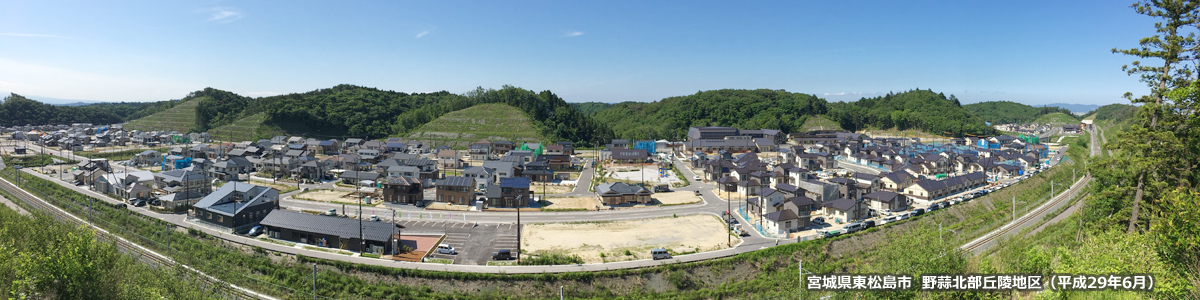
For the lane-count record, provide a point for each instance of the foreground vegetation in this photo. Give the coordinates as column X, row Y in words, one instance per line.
column 41, row 258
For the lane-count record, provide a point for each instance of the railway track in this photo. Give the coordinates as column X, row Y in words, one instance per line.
column 1032, row 216
column 229, row 291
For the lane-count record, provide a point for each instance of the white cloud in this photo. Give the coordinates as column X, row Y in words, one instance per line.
column 835, row 94
column 29, row 35
column 224, row 15
column 573, row 33
column 423, row 33
column 33, row 79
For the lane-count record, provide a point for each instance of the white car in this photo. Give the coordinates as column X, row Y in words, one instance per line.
column 696, row 178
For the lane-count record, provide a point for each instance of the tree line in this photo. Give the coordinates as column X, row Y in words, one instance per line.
column 1001, row 112
column 19, row 110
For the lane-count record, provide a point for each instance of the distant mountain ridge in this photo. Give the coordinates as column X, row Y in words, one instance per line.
column 1075, row 108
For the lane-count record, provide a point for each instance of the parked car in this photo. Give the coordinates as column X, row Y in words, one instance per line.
column 819, row 220
column 374, row 218
column 853, row 227
column 698, row 194
column 901, row 216
column 502, row 255
column 78, row 183
column 743, row 232
column 446, row 249
column 660, row 253
column 868, row 224
column 138, row 203
column 888, row 219
column 121, row 205
column 932, row 207
column 829, row 233
column 917, row 212
column 257, row 230
column 696, row 178
column 331, row 212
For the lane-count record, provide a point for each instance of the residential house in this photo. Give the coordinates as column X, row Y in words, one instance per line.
column 331, row 232
column 618, row 193
column 510, row 192
column 359, row 177
column 456, row 190
column 782, row 222
column 896, row 181
column 844, row 210
column 886, row 201
column 237, row 206
column 182, row 188
column 406, row 190
column 147, row 158
column 449, row 159
column 132, row 185
column 480, row 151
column 482, row 175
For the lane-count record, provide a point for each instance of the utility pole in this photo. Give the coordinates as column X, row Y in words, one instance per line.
column 801, row 278
column 395, row 226
column 519, row 229
column 314, row 281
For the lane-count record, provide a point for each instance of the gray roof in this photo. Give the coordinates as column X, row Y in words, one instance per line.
column 341, row 227
column 456, row 181
column 620, row 188
column 221, row 200
column 181, row 175
column 840, row 204
column 360, row 175
column 884, row 196
column 782, row 215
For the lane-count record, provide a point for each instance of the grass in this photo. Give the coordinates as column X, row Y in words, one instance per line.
column 819, row 123
column 502, row 263
column 492, row 121
column 1056, row 118
column 334, row 251
column 181, row 118
column 439, row 260
column 275, row 241
column 250, row 128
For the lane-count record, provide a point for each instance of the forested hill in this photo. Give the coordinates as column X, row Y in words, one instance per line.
column 591, row 108
column 670, row 118
column 354, row 111
column 916, row 109
column 1011, row 112
column 19, row 110
column 786, row 111
column 1115, row 112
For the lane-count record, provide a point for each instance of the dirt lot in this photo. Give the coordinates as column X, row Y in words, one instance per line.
column 589, row 240
column 447, row 206
column 676, row 197
column 722, row 194
column 329, row 196
column 588, row 203
column 550, row 189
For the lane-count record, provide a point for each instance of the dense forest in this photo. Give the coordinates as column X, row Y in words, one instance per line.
column 1001, row 112
column 1114, row 111
column 18, row 110
column 778, row 109
column 591, row 108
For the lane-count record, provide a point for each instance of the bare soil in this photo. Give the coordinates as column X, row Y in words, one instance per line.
column 588, row 203
column 676, row 197
column 447, row 206
column 589, row 240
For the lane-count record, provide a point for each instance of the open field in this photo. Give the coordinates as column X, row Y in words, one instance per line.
column 281, row 187
column 447, row 206
column 572, row 203
column 909, row 133
column 181, row 118
column 328, row 196
column 250, row 128
column 1056, row 118
column 460, row 128
column 536, row 188
column 589, row 240
column 819, row 123
column 674, row 198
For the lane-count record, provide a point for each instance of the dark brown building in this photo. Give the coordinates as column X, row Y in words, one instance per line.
column 403, row 190
column 456, row 190
column 510, row 192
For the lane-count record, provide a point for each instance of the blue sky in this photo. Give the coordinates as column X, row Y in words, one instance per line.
column 1033, row 52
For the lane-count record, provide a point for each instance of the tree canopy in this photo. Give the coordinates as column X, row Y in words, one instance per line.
column 1000, row 112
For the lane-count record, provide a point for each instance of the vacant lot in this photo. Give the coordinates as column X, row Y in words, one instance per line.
column 676, row 197
column 329, row 196
column 590, row 240
column 588, row 203
column 537, row 188
column 447, row 206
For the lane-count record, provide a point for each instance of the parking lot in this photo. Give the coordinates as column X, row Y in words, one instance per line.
column 475, row 244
